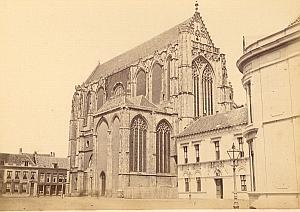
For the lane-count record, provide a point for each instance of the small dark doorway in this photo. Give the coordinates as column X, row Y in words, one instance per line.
column 219, row 188
column 103, row 182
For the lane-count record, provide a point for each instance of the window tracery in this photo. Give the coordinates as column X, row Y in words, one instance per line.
column 137, row 145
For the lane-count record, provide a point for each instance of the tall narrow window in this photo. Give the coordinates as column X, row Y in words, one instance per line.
column 17, row 174
column 243, row 183
column 25, row 175
column 198, row 180
column 249, row 95
column 163, row 147
column 9, row 173
column 185, row 155
column 217, row 150
column 197, row 153
column 241, row 146
column 207, row 91
column 156, row 83
column 141, row 83
column 196, row 95
column 100, row 98
column 252, row 167
column 187, row 184
column 87, row 107
column 168, row 89
column 137, row 145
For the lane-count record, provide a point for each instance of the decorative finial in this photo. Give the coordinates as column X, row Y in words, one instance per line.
column 196, row 6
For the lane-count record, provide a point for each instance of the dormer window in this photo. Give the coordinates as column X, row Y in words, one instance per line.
column 26, row 163
column 55, row 165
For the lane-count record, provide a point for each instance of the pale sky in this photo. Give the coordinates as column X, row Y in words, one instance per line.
column 48, row 47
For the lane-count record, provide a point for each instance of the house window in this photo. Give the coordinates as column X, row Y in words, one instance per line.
column 9, row 173
column 187, row 184
column 16, row 187
column 137, row 145
column 32, row 175
column 26, row 163
column 198, row 180
column 1, row 163
column 25, row 175
column 8, row 186
column 241, row 148
column 24, row 187
column 48, row 178
column 243, row 183
column 217, row 149
column 54, row 178
column 185, row 155
column 60, row 178
column 17, row 175
column 55, row 165
column 42, row 177
column 163, row 131
column 197, row 153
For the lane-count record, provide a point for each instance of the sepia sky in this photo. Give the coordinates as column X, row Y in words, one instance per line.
column 48, row 47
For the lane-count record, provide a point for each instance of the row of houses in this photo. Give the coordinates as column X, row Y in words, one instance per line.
column 34, row 174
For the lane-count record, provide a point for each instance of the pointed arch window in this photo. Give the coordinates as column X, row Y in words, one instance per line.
column 119, row 90
column 100, row 98
column 163, row 131
column 87, row 107
column 196, row 95
column 168, row 89
column 207, row 91
column 156, row 83
column 141, row 83
column 137, row 145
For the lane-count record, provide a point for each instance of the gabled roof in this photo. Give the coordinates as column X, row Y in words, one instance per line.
column 147, row 48
column 216, row 122
column 297, row 21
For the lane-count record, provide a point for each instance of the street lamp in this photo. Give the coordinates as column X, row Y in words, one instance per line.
column 234, row 157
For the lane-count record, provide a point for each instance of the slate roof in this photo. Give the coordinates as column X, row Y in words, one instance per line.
column 137, row 101
column 216, row 122
column 17, row 159
column 143, row 50
column 47, row 162
column 44, row 161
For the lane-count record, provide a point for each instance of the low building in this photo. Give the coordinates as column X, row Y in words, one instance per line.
column 204, row 167
column 34, row 174
column 270, row 68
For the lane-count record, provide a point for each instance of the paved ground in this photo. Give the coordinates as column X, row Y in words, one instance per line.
column 93, row 203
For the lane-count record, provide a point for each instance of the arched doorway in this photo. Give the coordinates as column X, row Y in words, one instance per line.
column 102, row 183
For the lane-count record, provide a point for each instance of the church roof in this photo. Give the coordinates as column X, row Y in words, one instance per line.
column 147, row 48
column 216, row 122
column 297, row 21
column 136, row 102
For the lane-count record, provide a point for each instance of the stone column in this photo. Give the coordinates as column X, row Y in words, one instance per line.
column 185, row 104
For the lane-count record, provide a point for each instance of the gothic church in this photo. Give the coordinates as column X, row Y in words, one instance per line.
column 126, row 115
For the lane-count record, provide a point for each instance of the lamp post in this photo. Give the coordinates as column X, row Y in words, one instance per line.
column 234, row 157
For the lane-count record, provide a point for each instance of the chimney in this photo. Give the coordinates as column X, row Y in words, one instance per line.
column 20, row 151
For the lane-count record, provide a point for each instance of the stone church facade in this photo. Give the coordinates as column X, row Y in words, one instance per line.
column 126, row 115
